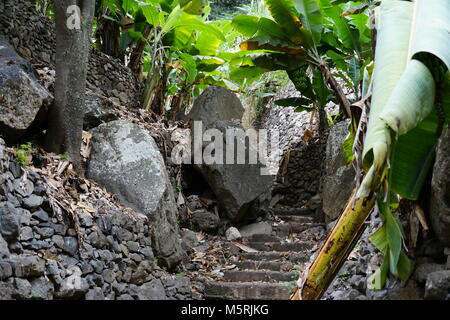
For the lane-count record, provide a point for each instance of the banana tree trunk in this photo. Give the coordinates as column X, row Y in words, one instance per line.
column 337, row 247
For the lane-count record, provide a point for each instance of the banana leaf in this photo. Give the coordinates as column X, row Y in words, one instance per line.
column 409, row 105
column 394, row 28
column 311, row 18
column 283, row 12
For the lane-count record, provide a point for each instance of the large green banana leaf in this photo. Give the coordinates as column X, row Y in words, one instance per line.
column 283, row 12
column 394, row 28
column 312, row 20
column 404, row 90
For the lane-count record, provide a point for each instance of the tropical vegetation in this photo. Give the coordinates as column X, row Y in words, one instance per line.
column 383, row 62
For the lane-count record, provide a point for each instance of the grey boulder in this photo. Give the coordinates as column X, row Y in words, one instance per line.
column 237, row 186
column 216, row 103
column 126, row 160
column 98, row 110
column 24, row 101
column 440, row 190
column 339, row 178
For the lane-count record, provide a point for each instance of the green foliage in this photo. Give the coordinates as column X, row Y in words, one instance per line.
column 23, row 154
column 64, row 156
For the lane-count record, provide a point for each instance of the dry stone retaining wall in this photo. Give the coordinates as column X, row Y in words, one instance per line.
column 33, row 37
column 41, row 256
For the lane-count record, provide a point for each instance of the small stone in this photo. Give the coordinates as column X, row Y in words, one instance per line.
column 33, row 201
column 98, row 266
column 58, row 241
column 232, row 234
column 25, row 217
column 125, row 297
column 9, row 221
column 71, row 232
column 44, row 232
column 24, row 188
column 95, row 294
column 437, row 285
column 39, row 244
column 42, row 289
column 97, row 239
column 358, row 282
column 4, row 251
column 105, row 255
column 74, row 286
column 40, row 189
column 109, row 276
column 256, row 228
column 6, row 291
column 136, row 257
column 133, row 246
column 22, row 289
column 14, row 201
column 205, row 221
column 95, row 280
column 153, row 290
column 147, row 252
column 86, row 268
column 123, row 97
column 125, row 250
column 15, row 169
column 70, row 245
column 189, row 239
column 26, row 233
column 5, row 270
column 85, row 219
column 25, row 267
column 60, row 229
column 40, row 215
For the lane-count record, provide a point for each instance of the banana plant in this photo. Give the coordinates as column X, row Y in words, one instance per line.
column 309, row 35
column 175, row 30
column 410, row 107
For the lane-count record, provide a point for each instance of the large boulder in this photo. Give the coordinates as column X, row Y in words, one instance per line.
column 126, row 160
column 216, row 103
column 236, row 186
column 98, row 110
column 339, row 179
column 24, row 101
column 440, row 190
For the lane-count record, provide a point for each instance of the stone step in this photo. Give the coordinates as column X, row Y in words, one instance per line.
column 264, row 238
column 259, row 275
column 278, row 246
column 287, row 228
column 297, row 219
column 276, row 255
column 292, row 211
column 264, row 265
column 247, row 290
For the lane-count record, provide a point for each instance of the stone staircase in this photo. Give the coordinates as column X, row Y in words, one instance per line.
column 271, row 272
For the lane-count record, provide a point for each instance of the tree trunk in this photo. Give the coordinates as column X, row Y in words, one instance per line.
column 136, row 55
column 334, row 85
column 336, row 248
column 72, row 51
